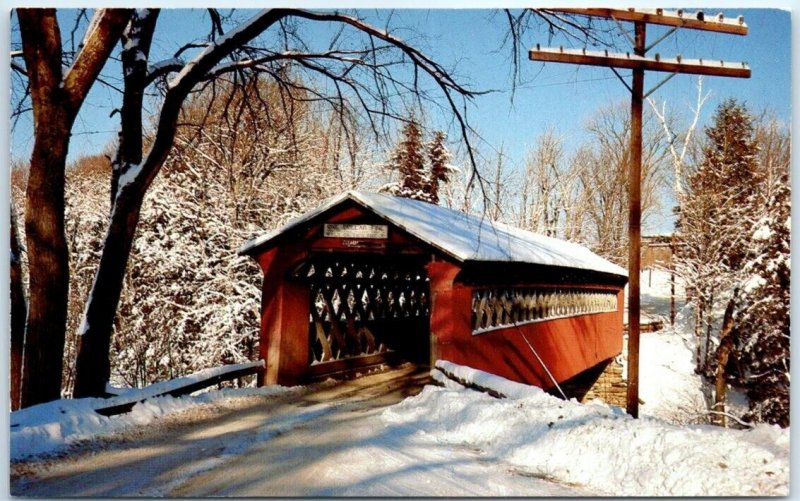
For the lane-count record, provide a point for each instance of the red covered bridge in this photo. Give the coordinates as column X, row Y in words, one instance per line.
column 369, row 278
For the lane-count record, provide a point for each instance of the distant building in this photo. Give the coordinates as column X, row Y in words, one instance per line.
column 657, row 251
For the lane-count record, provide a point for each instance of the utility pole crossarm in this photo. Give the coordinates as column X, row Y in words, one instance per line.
column 632, row 61
column 678, row 18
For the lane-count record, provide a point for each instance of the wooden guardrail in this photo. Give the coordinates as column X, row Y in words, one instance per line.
column 193, row 383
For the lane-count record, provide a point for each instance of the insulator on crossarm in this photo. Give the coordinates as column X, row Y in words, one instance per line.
column 537, row 47
column 720, row 17
column 700, row 15
column 658, row 57
column 740, row 19
column 678, row 58
column 659, row 12
column 680, row 12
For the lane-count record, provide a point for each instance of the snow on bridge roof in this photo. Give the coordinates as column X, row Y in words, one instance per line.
column 462, row 236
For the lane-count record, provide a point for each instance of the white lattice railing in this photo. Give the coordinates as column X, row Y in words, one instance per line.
column 502, row 308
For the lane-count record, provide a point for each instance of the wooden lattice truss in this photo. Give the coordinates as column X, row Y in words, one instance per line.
column 351, row 299
column 501, row 308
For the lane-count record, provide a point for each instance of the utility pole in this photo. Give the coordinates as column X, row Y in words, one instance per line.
column 638, row 62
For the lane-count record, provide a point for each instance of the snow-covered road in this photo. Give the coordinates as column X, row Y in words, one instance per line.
column 322, row 440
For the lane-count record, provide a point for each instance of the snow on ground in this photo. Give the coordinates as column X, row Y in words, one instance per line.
column 668, row 385
column 599, row 447
column 52, row 426
column 323, row 440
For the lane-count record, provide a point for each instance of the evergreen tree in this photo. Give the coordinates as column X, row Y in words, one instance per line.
column 723, row 194
column 735, row 225
column 420, row 175
column 440, row 169
column 763, row 334
column 409, row 161
column 729, row 160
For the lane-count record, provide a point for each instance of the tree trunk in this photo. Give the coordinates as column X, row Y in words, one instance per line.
column 92, row 367
column 709, row 319
column 56, row 99
column 698, row 330
column 672, row 297
column 19, row 310
column 725, row 347
column 48, row 264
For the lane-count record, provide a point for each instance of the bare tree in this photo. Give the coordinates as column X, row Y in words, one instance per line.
column 498, row 202
column 680, row 143
column 543, row 187
column 368, row 77
column 604, row 175
column 774, row 146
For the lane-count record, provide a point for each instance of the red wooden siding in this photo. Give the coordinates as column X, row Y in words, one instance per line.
column 567, row 346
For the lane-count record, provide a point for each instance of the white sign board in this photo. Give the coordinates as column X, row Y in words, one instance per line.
column 377, row 231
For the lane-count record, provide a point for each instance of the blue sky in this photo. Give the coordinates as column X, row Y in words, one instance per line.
column 552, row 95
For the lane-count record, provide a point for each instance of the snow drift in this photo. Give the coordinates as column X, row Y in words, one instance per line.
column 595, row 445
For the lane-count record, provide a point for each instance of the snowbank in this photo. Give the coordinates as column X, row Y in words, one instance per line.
column 52, row 426
column 598, row 446
column 485, row 381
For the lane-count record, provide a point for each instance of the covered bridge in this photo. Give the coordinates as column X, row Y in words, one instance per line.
column 369, row 278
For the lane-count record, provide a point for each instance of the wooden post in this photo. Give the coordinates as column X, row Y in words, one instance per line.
column 634, row 224
column 672, row 280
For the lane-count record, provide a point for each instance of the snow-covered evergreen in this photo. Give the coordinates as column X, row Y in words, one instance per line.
column 734, row 258
column 422, row 166
column 763, row 334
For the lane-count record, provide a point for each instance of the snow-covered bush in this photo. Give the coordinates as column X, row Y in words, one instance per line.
column 241, row 167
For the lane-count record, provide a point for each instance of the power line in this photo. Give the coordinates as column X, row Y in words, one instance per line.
column 553, row 84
